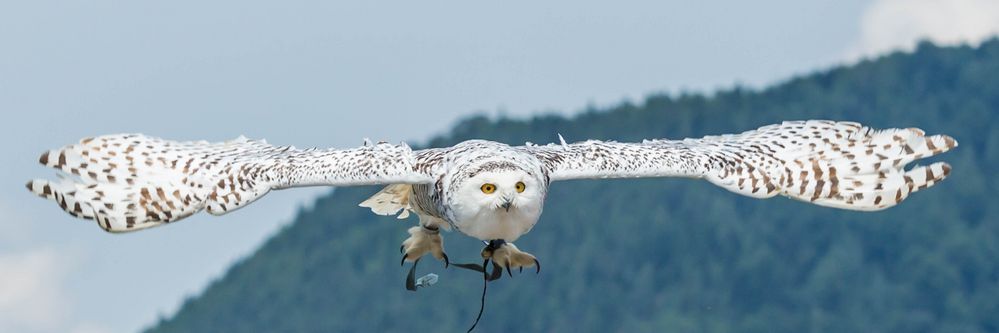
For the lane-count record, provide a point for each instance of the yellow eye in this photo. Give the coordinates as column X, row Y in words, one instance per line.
column 521, row 187
column 488, row 188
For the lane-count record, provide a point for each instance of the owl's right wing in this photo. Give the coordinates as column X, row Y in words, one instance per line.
column 836, row 164
column 130, row 182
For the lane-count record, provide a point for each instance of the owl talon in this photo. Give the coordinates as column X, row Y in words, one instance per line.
column 508, row 256
column 421, row 241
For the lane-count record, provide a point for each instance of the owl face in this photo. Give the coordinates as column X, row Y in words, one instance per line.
column 501, row 191
column 498, row 204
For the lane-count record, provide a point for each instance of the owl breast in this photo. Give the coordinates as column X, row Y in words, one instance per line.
column 495, row 224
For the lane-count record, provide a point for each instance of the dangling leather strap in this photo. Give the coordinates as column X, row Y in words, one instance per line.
column 487, row 277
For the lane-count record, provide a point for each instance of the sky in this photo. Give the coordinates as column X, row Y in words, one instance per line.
column 319, row 73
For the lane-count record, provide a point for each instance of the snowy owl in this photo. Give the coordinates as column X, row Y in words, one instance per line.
column 483, row 189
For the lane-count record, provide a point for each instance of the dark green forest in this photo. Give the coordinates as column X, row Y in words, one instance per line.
column 673, row 255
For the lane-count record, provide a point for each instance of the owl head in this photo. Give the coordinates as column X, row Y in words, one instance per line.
column 501, row 188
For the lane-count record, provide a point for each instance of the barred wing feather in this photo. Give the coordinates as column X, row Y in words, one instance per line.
column 129, row 182
column 836, row 164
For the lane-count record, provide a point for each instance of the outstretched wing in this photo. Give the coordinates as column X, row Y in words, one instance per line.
column 130, row 182
column 835, row 164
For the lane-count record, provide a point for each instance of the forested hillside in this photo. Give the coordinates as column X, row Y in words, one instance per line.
column 673, row 255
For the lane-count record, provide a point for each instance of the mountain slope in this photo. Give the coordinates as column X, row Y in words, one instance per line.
column 674, row 254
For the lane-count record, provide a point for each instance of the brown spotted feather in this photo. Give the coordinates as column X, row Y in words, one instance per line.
column 836, row 164
column 130, row 182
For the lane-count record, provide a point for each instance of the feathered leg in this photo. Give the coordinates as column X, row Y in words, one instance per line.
column 422, row 239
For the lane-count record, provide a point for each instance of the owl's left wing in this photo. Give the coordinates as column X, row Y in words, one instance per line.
column 129, row 182
column 836, row 164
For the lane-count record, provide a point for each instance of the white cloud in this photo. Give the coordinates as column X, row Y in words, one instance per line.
column 889, row 25
column 33, row 296
column 31, row 293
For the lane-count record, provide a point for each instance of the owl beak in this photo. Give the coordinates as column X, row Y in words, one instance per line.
column 506, row 204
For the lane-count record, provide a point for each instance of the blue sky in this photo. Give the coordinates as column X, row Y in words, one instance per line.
column 315, row 73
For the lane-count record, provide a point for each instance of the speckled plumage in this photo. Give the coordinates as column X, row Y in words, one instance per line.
column 131, row 182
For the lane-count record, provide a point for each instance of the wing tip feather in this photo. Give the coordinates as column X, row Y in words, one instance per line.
column 39, row 187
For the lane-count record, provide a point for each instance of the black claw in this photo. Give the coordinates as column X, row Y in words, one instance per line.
column 509, row 271
column 521, row 269
column 447, row 262
column 536, row 262
column 403, row 261
column 401, row 247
